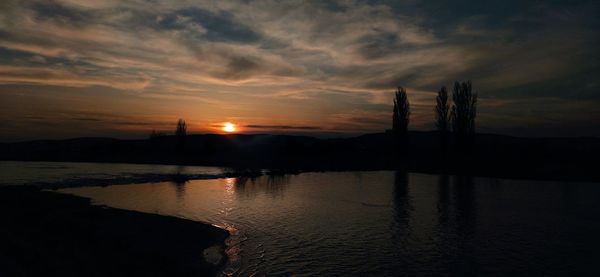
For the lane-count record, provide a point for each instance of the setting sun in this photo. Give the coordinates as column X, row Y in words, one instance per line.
column 229, row 127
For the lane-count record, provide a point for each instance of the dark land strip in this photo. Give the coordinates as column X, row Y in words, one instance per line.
column 51, row 234
column 569, row 159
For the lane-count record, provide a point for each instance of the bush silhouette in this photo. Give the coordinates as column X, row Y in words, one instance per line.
column 154, row 135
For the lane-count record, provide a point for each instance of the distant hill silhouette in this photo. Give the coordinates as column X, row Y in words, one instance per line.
column 493, row 155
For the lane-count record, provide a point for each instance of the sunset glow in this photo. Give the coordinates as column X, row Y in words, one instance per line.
column 75, row 68
column 338, row 137
column 229, row 127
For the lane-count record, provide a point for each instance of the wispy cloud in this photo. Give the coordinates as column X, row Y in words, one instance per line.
column 283, row 127
column 308, row 61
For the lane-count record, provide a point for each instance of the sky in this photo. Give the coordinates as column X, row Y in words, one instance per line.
column 110, row 68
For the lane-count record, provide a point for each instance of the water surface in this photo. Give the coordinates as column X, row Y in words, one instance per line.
column 81, row 174
column 385, row 223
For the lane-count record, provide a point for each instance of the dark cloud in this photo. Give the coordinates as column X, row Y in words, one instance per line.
column 220, row 26
column 332, row 65
column 334, row 6
column 241, row 68
column 403, row 79
column 86, row 119
column 13, row 56
column 378, row 45
column 107, row 119
column 51, row 10
column 283, row 127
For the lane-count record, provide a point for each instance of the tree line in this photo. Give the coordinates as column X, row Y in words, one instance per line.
column 180, row 134
column 459, row 119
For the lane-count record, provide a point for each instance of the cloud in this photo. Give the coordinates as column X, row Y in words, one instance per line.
column 219, row 26
column 315, row 62
column 283, row 127
column 55, row 11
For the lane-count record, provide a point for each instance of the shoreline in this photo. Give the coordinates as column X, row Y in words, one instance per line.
column 543, row 175
column 490, row 155
column 47, row 233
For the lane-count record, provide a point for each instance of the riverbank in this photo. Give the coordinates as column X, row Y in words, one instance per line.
column 571, row 159
column 50, row 234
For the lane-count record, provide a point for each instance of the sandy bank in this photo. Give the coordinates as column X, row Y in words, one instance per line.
column 50, row 234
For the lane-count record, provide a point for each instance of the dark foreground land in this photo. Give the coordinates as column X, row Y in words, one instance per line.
column 49, row 234
column 489, row 155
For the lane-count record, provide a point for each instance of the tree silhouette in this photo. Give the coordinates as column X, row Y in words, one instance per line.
column 181, row 133
column 400, row 121
column 401, row 116
column 464, row 111
column 181, row 130
column 442, row 119
column 442, row 110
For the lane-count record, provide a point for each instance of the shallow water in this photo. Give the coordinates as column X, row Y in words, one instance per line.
column 385, row 223
column 80, row 174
